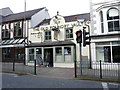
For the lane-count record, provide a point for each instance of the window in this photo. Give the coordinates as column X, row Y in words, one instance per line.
column 108, row 52
column 101, row 20
column 58, row 51
column 18, row 29
column 69, row 33
column 39, row 55
column 67, row 50
column 116, row 54
column 48, row 35
column 113, row 20
column 6, row 53
column 5, row 31
column 38, row 51
column 31, row 54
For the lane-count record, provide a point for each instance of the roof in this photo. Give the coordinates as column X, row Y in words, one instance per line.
column 1, row 17
column 55, row 43
column 21, row 16
column 5, row 11
column 85, row 16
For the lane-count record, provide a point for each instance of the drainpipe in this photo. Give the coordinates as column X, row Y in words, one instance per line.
column 89, row 45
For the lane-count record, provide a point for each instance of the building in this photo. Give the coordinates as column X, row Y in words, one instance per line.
column 3, row 12
column 54, row 41
column 105, row 32
column 14, row 32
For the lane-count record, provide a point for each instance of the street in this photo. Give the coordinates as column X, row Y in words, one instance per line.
column 27, row 81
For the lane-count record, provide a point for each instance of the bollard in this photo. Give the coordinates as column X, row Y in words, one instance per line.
column 100, row 70
column 14, row 65
column 34, row 67
column 75, row 68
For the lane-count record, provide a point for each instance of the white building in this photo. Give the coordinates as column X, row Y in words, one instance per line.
column 14, row 32
column 105, row 31
column 57, row 37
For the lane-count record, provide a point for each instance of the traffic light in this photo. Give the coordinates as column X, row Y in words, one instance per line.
column 85, row 37
column 79, row 36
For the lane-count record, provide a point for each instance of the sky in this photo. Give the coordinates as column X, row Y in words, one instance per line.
column 65, row 7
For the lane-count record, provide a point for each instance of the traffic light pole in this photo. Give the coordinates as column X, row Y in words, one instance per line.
column 80, row 58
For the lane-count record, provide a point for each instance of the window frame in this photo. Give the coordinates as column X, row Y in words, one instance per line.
column 16, row 34
column 58, row 50
column 112, row 20
column 101, row 21
column 6, row 30
column 48, row 36
column 31, row 55
column 111, row 46
column 69, row 33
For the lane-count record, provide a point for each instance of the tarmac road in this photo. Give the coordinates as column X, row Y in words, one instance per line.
column 27, row 81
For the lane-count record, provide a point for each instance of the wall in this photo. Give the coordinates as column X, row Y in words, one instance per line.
column 96, row 7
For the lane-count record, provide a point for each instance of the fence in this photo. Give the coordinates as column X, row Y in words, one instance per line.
column 99, row 70
column 19, row 67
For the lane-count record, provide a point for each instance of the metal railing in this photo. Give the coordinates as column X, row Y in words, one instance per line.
column 19, row 67
column 100, row 70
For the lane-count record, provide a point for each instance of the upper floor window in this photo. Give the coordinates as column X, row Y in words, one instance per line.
column 69, row 33
column 101, row 20
column 5, row 31
column 113, row 20
column 18, row 28
column 48, row 35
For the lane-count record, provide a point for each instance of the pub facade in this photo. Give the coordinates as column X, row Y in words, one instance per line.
column 53, row 41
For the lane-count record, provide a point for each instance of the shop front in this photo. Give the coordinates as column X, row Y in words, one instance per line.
column 13, row 49
column 54, row 54
column 107, row 51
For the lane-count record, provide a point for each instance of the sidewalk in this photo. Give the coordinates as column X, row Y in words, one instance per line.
column 41, row 71
column 54, row 72
column 64, row 73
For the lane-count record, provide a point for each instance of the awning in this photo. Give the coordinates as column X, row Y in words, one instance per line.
column 12, row 43
column 48, row 44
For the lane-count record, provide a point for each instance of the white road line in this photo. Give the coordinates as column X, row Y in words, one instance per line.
column 105, row 86
column 114, row 84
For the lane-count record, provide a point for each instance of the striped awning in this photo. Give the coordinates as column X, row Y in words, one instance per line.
column 12, row 42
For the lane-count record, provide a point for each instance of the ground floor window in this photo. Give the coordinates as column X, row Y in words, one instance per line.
column 39, row 56
column 6, row 53
column 13, row 53
column 58, row 50
column 67, row 50
column 108, row 52
column 31, row 54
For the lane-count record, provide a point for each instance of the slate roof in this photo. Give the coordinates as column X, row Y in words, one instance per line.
column 1, row 17
column 85, row 16
column 48, row 44
column 20, row 16
column 5, row 11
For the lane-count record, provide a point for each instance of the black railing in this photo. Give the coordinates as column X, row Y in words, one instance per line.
column 100, row 70
column 19, row 67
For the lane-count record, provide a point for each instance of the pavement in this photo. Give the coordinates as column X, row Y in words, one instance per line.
column 41, row 71
column 55, row 72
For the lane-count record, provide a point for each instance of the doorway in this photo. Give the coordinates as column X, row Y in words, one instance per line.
column 48, row 57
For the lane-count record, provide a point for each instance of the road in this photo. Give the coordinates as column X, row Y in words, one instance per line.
column 27, row 81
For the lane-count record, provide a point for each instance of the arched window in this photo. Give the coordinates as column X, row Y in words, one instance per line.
column 101, row 21
column 113, row 20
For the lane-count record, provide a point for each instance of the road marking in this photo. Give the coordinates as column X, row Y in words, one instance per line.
column 15, row 75
column 114, row 84
column 105, row 86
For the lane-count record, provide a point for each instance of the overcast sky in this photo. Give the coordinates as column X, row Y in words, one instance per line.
column 65, row 7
